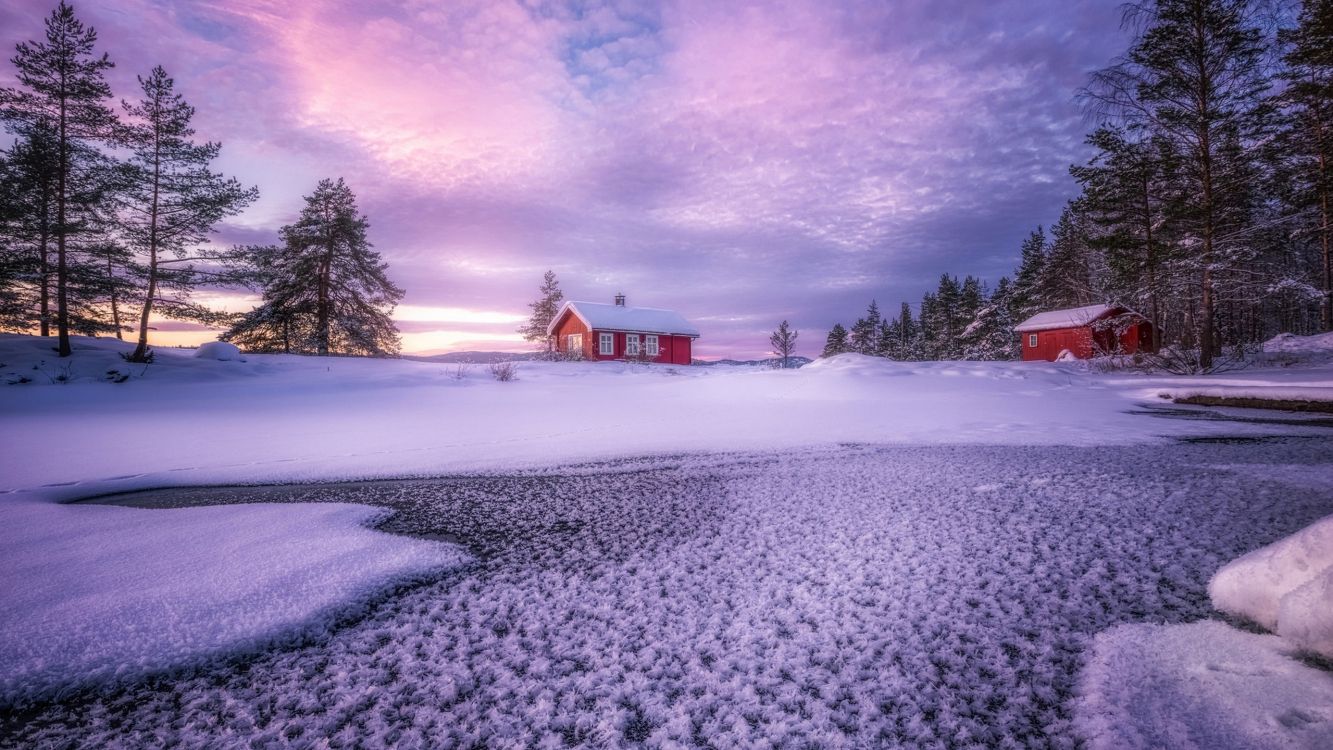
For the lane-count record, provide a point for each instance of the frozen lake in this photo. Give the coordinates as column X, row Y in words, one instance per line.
column 854, row 596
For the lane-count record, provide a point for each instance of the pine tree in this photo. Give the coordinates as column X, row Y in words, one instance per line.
column 1195, row 78
column 948, row 319
column 27, row 214
column 865, row 331
column 909, row 343
column 1067, row 274
column 1128, row 193
column 783, row 341
column 63, row 90
column 836, row 343
column 1307, row 140
column 325, row 290
column 543, row 311
column 1027, row 299
column 173, row 202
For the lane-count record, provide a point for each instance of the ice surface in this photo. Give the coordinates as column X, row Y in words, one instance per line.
column 1204, row 686
column 839, row 597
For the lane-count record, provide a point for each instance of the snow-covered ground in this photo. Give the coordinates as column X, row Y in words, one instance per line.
column 1026, row 507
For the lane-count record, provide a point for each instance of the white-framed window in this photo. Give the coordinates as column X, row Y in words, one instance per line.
column 1032, row 341
column 574, row 342
column 650, row 345
column 606, row 343
column 631, row 345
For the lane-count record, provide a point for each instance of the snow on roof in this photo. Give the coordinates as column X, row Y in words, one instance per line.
column 601, row 316
column 1071, row 318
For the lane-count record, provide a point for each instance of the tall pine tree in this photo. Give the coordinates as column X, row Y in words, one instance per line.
column 173, row 201
column 837, row 342
column 543, row 309
column 63, row 90
column 326, row 290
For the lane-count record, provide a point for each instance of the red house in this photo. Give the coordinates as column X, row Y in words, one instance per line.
column 601, row 331
column 1085, row 332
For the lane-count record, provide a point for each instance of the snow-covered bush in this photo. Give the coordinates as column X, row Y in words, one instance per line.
column 219, row 350
column 504, row 371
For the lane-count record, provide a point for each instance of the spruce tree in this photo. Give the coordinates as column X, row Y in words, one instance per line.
column 909, row 344
column 865, row 332
column 543, row 311
column 783, row 341
column 63, row 89
column 1067, row 274
column 326, row 290
column 1128, row 193
column 1027, row 298
column 1306, row 143
column 837, row 342
column 1195, row 77
column 173, row 201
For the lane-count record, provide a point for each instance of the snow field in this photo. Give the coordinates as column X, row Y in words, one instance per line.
column 94, row 593
column 1202, row 686
column 927, row 597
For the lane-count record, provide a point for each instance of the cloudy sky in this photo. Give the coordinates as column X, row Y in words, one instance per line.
column 740, row 162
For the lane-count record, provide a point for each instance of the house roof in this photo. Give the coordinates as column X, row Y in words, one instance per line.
column 604, row 317
column 1074, row 317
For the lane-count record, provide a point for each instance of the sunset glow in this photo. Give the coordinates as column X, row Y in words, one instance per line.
column 739, row 163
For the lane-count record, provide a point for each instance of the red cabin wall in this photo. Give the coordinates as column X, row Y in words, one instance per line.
column 671, row 350
column 570, row 325
column 1079, row 341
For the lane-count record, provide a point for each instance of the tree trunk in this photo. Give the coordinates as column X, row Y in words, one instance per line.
column 1150, row 258
column 1326, row 316
column 115, row 307
column 44, row 248
column 62, row 266
column 141, row 349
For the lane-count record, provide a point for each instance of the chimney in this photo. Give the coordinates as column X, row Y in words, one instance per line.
column 620, row 300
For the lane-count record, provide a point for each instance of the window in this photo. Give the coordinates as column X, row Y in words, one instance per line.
column 574, row 342
column 1032, row 341
column 606, row 343
column 631, row 345
column 650, row 345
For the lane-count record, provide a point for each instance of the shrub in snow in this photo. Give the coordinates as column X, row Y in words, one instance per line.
column 219, row 350
column 504, row 371
column 1286, row 587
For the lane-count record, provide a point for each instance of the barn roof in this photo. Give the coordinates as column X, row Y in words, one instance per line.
column 604, row 317
column 1074, row 317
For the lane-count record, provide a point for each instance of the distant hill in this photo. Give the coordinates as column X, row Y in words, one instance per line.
column 479, row 358
column 792, row 362
column 485, row 358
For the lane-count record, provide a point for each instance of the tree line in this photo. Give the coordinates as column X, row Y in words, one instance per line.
column 1205, row 207
column 105, row 215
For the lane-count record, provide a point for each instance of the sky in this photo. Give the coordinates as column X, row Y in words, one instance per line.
column 742, row 163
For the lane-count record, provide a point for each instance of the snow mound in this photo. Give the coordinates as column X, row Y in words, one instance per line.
column 1290, row 343
column 219, row 350
column 1286, row 587
column 98, row 593
column 1203, row 685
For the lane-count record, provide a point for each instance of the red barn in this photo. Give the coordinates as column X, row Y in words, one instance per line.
column 602, row 331
column 1085, row 332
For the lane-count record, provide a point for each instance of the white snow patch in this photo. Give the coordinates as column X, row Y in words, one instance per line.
column 1203, row 685
column 219, row 350
column 1070, row 318
column 94, row 592
column 1286, row 587
column 1290, row 343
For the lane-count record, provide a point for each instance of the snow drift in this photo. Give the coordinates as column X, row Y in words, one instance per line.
column 1287, row 587
column 1204, row 685
column 94, row 592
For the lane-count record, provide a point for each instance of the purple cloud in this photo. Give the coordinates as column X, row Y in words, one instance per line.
column 742, row 163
